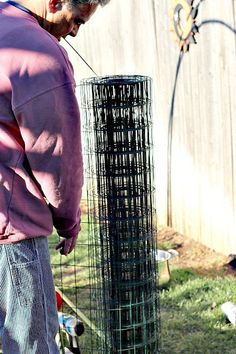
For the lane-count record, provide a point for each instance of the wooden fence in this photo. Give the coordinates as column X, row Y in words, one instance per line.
column 194, row 107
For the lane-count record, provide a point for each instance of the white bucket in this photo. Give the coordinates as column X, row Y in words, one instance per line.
column 163, row 258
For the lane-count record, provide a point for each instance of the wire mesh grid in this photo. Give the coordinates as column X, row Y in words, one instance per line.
column 124, row 300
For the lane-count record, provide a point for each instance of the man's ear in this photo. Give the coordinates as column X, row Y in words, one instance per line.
column 54, row 5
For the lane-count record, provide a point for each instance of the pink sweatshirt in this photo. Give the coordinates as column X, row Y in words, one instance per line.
column 41, row 168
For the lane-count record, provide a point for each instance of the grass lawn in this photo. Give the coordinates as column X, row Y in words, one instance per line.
column 74, row 275
column 191, row 318
column 192, row 321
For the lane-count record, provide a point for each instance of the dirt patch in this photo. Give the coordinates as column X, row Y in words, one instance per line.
column 194, row 255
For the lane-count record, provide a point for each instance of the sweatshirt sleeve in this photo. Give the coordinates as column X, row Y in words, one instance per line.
column 51, row 131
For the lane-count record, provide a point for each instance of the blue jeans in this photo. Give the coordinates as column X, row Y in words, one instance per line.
column 28, row 313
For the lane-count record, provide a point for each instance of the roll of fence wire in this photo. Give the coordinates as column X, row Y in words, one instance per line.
column 117, row 124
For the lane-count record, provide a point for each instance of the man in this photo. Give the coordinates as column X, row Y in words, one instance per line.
column 41, row 171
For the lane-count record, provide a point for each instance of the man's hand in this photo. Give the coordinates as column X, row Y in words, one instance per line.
column 66, row 246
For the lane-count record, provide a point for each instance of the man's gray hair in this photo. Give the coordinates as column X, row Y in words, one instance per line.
column 78, row 2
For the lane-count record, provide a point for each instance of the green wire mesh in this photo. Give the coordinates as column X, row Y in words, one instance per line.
column 124, row 299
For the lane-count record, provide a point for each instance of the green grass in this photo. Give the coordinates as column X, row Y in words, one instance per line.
column 191, row 318
column 192, row 321
column 74, row 267
column 167, row 245
column 74, row 276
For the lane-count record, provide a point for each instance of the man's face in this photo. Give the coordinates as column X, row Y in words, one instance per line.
column 67, row 20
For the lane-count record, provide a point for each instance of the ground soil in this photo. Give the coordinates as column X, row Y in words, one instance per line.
column 191, row 254
column 194, row 255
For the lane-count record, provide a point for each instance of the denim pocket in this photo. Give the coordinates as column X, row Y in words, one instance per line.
column 26, row 280
column 25, row 271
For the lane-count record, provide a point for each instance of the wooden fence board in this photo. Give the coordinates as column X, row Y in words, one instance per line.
column 195, row 115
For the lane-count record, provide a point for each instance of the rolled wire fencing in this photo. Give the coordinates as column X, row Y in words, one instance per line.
column 121, row 236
